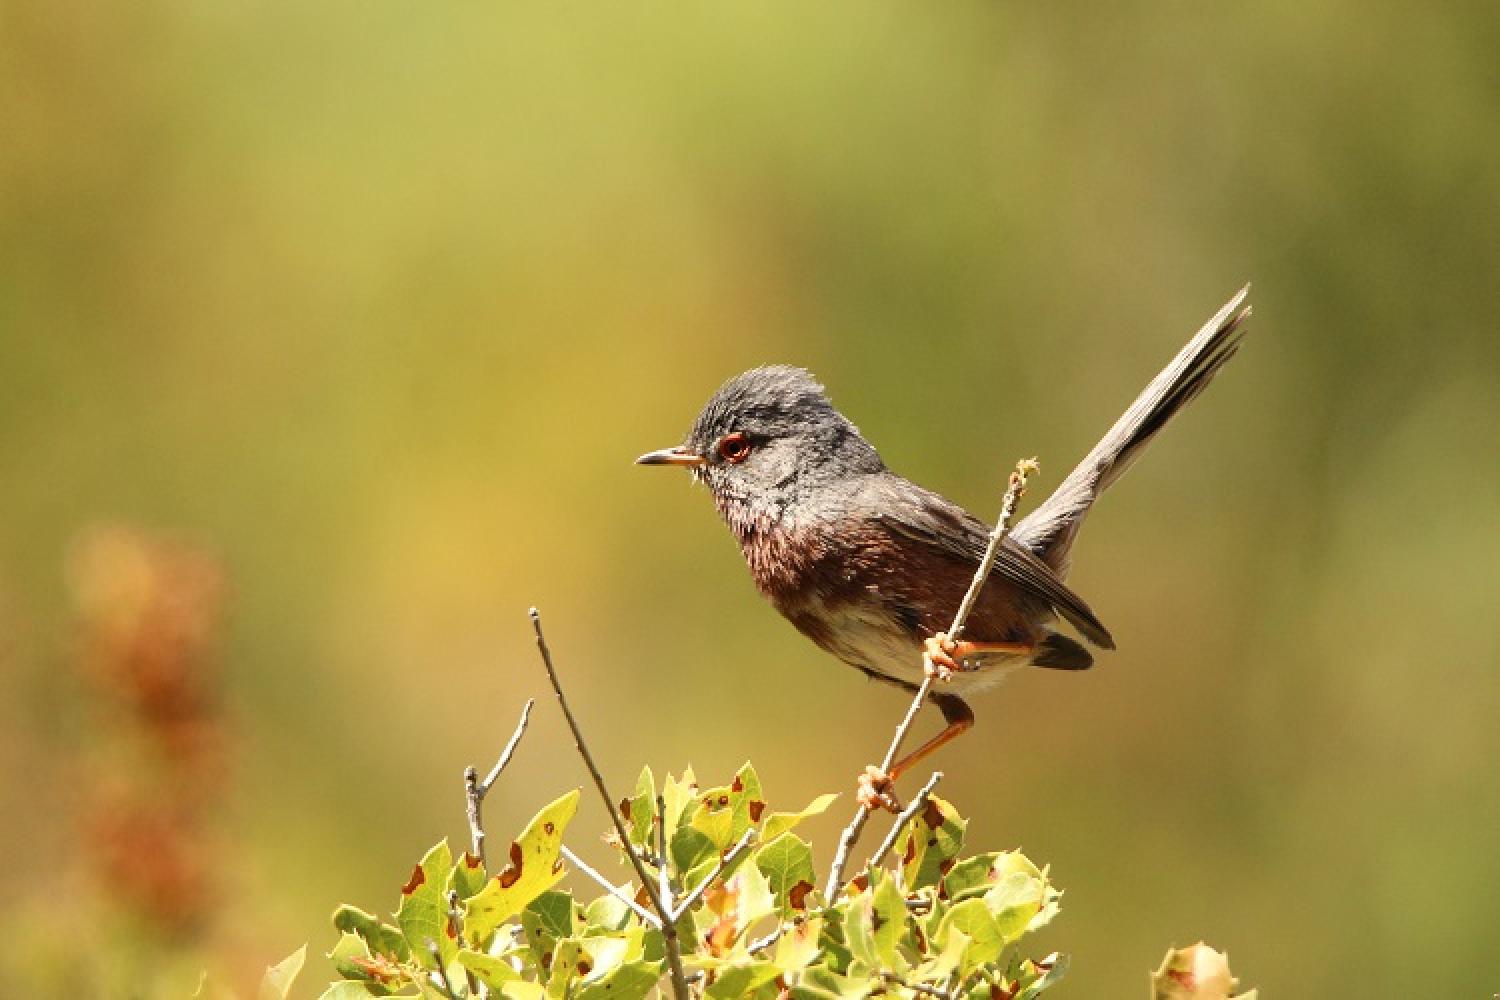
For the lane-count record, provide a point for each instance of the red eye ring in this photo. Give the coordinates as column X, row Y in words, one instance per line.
column 734, row 448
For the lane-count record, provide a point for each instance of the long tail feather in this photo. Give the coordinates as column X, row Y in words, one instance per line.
column 1050, row 529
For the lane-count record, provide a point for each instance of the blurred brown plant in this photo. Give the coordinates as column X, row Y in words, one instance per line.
column 149, row 616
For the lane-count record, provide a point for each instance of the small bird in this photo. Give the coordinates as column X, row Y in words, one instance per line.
column 871, row 567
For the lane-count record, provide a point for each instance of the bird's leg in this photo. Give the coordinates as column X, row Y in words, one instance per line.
column 943, row 657
column 877, row 789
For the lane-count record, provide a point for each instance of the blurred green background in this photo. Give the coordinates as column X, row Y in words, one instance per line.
column 377, row 303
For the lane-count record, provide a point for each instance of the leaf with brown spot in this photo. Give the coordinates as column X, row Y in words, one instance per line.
column 1196, row 972
column 786, row 862
column 532, row 870
column 382, row 938
column 423, row 914
column 467, row 877
column 930, row 840
column 511, row 874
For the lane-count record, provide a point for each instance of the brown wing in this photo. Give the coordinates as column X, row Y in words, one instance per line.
column 940, row 524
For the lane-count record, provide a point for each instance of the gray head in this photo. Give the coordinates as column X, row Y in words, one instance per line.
column 767, row 438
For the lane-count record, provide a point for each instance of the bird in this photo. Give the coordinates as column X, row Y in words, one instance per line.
column 871, row 566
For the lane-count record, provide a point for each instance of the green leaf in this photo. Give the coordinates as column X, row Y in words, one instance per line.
column 423, row 914
column 1196, row 972
column 345, row 991
column 608, row 913
column 787, row 864
column 1014, row 902
column 382, row 938
column 859, row 934
column 713, row 816
column 756, row 902
column 971, row 876
column 534, row 867
column 797, row 947
column 522, row 990
column 678, row 796
column 467, row 876
column 639, row 810
column 279, row 977
column 735, row 981
column 780, row 822
column 690, row 848
column 631, row 981
column 546, row 920
column 352, row 947
column 930, row 841
column 973, row 918
column 748, row 800
column 888, row 919
column 1037, row 976
column 493, row 972
column 566, row 962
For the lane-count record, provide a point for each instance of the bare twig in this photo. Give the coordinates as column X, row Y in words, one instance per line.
column 765, row 941
column 610, row 887
column 918, row 802
column 1025, row 468
column 672, row 945
column 922, row 988
column 729, row 858
column 664, row 883
column 475, row 790
column 441, row 973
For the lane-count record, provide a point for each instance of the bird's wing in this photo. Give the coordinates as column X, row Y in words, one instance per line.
column 939, row 523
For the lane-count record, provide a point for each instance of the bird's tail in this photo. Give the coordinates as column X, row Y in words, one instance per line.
column 1050, row 529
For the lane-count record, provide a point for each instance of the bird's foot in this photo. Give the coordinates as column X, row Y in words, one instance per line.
column 877, row 790
column 937, row 657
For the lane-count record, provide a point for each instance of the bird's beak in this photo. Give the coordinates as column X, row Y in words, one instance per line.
column 670, row 456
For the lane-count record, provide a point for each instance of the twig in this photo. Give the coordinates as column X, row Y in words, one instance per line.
column 923, row 988
column 729, row 858
column 475, row 790
column 1025, row 468
column 672, row 945
column 664, row 883
column 765, row 941
column 907, row 815
column 611, row 888
column 442, row 973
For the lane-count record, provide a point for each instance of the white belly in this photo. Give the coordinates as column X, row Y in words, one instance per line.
column 865, row 637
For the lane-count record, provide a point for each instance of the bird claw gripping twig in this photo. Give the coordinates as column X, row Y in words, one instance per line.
column 937, row 657
column 877, row 790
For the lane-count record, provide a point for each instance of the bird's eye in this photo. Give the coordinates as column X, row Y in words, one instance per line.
column 734, row 448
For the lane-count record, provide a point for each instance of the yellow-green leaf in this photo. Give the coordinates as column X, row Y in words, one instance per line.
column 493, row 972
column 423, row 914
column 780, row 822
column 279, row 977
column 533, row 866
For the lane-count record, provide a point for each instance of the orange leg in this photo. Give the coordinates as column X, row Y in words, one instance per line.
column 877, row 789
column 943, row 657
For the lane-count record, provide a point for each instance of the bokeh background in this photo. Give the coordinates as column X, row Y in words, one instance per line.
column 328, row 334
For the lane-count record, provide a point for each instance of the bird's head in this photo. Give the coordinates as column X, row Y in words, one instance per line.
column 767, row 439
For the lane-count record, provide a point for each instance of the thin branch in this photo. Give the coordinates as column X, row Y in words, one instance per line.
column 672, row 945
column 475, row 790
column 664, row 883
column 611, row 888
column 769, row 938
column 922, row 988
column 441, row 973
column 729, row 858
column 1025, row 468
column 918, row 803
